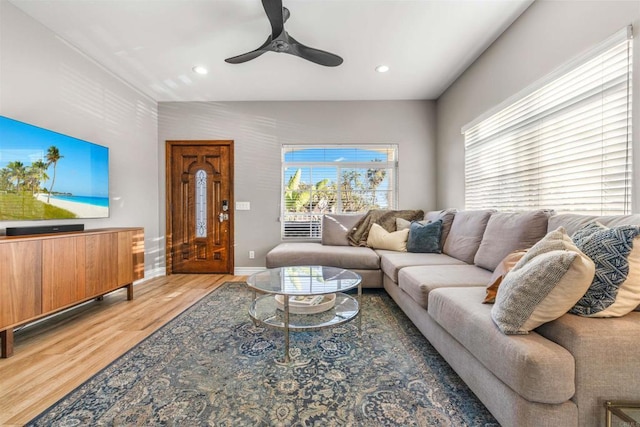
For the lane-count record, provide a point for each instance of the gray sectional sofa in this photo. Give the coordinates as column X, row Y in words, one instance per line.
column 558, row 375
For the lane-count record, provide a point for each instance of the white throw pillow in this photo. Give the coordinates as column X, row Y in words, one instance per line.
column 379, row 238
column 549, row 279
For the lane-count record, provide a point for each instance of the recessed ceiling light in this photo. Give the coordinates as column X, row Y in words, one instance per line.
column 200, row 69
column 382, row 68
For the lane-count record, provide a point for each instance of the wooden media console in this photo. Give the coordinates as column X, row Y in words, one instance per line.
column 43, row 274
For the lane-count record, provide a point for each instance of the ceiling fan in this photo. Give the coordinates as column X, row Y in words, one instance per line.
column 281, row 41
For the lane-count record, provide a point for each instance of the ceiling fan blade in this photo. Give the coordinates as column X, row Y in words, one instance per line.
column 314, row 55
column 245, row 57
column 250, row 55
column 275, row 13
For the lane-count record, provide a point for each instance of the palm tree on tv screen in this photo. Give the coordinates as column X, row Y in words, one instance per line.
column 16, row 171
column 37, row 173
column 5, row 179
column 53, row 155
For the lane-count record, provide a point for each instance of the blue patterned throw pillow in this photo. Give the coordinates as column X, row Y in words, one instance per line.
column 583, row 234
column 615, row 290
column 425, row 238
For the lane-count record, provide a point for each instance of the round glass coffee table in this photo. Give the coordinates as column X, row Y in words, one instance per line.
column 303, row 298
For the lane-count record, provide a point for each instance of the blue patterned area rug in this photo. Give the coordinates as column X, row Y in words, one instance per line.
column 212, row 366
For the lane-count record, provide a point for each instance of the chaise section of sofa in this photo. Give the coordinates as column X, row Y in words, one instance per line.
column 363, row 261
column 333, row 251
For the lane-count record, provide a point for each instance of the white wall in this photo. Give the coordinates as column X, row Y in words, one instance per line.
column 45, row 82
column 545, row 36
column 260, row 128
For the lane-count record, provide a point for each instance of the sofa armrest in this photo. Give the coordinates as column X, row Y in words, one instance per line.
column 606, row 358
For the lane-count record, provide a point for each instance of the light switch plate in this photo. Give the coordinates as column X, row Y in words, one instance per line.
column 243, row 206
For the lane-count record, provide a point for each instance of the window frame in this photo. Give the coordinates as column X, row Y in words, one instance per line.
column 392, row 165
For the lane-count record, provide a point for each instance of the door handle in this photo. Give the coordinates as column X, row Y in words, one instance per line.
column 223, row 217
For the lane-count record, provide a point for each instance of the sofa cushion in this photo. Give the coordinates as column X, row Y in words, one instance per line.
column 534, row 367
column 336, row 226
column 391, row 262
column 311, row 253
column 379, row 238
column 420, row 280
column 507, row 232
column 446, row 216
column 573, row 222
column 466, row 234
column 615, row 290
column 425, row 238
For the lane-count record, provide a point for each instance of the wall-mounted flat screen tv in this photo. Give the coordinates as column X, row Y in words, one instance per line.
column 47, row 175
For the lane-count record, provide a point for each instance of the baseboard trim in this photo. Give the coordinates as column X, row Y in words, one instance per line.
column 247, row 271
column 238, row 271
column 150, row 274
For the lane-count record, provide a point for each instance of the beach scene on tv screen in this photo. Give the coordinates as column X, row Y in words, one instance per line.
column 48, row 175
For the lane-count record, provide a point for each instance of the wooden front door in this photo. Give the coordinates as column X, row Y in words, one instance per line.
column 199, row 207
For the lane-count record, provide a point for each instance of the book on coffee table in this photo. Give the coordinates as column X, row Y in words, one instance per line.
column 305, row 300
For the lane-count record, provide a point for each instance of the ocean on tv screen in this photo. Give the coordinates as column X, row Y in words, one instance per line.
column 89, row 200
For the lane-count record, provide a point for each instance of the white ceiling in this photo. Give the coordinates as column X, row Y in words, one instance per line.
column 153, row 45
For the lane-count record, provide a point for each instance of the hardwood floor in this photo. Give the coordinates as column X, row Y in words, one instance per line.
column 53, row 357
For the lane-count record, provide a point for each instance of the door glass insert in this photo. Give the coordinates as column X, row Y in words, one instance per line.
column 201, row 203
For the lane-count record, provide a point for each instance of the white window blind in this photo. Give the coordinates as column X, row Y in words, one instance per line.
column 564, row 145
column 334, row 179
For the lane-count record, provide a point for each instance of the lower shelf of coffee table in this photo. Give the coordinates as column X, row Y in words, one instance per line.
column 264, row 309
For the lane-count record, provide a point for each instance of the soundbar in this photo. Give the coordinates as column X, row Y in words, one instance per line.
column 44, row 229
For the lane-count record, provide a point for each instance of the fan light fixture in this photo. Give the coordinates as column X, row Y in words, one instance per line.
column 382, row 68
column 280, row 41
column 200, row 70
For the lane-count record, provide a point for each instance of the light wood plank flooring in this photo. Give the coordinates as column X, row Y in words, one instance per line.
column 53, row 357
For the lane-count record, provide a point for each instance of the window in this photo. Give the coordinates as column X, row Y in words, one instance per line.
column 334, row 179
column 201, row 203
column 564, row 144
